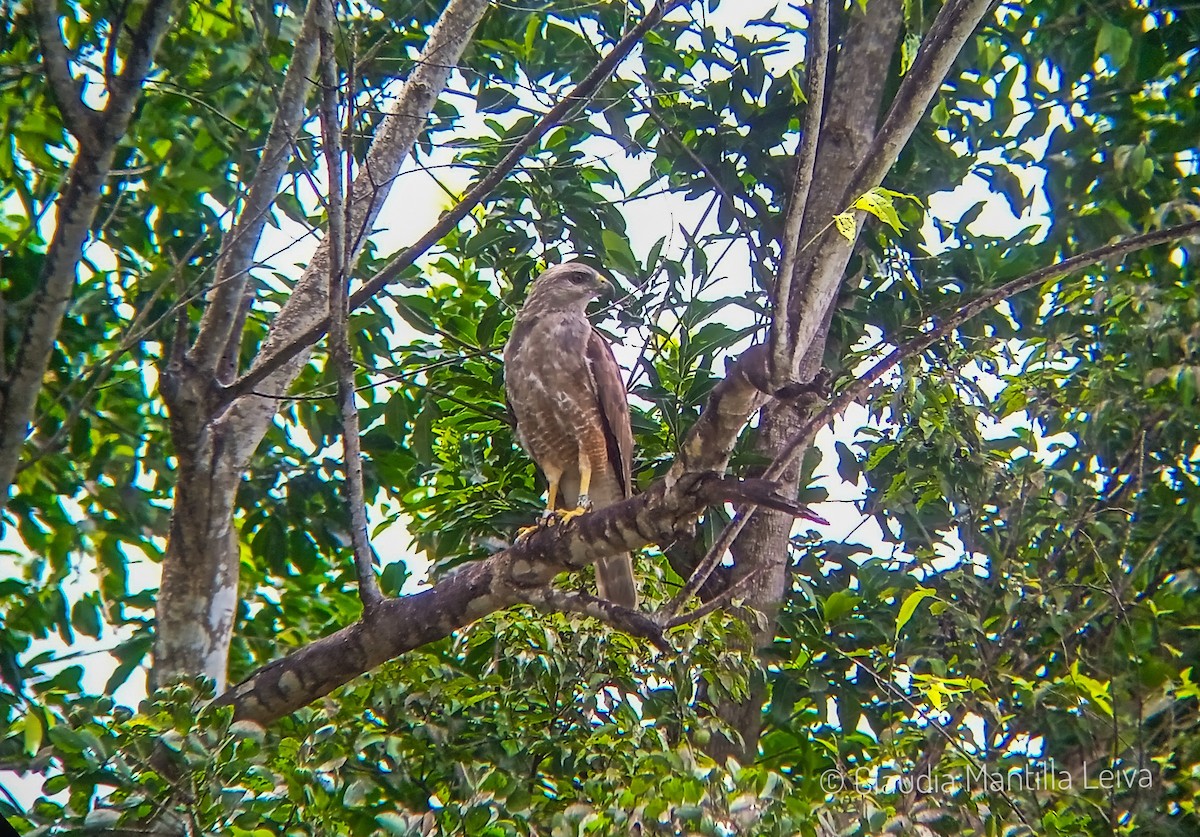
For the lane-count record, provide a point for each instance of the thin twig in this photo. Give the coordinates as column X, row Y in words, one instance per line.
column 726, row 596
column 550, row 600
column 712, row 558
column 748, row 225
column 331, row 140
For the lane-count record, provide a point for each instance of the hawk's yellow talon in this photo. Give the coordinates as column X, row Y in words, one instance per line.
column 564, row 516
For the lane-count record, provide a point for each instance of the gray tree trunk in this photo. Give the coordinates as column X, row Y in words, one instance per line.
column 852, row 156
column 215, row 440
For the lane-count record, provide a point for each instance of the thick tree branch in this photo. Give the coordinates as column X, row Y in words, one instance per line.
column 343, row 362
column 956, row 21
column 953, row 25
column 76, row 207
column 664, row 513
column 228, row 303
column 514, row 576
column 68, row 92
column 279, row 355
column 709, row 444
column 816, row 66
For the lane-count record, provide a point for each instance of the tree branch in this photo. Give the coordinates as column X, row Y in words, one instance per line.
column 76, row 205
column 671, row 620
column 709, row 563
column 280, row 354
column 950, row 29
column 123, row 90
column 514, row 576
column 662, row 514
column 550, row 600
column 816, row 65
column 942, row 44
column 343, row 362
column 861, row 384
column 68, row 92
column 225, row 312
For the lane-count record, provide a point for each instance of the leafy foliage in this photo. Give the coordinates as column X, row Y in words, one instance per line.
column 1035, row 477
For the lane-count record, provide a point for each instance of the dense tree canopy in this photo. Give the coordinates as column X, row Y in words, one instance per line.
column 970, row 230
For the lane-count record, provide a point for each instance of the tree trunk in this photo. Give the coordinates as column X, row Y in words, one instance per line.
column 852, row 106
column 198, row 597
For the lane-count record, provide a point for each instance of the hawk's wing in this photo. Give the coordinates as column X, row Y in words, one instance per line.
column 614, row 408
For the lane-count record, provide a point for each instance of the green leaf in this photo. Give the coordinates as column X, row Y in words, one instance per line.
column 909, row 606
column 878, row 202
column 1113, row 42
column 85, row 616
column 848, row 467
column 838, row 604
column 393, row 824
column 940, row 114
column 33, row 729
column 618, row 254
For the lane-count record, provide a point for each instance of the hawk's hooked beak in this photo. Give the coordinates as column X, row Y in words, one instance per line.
column 605, row 289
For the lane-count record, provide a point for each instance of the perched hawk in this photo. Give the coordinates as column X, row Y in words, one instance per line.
column 565, row 389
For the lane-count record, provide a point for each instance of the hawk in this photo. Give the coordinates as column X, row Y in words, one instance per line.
column 565, row 390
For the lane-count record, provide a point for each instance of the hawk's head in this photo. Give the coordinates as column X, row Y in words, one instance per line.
column 566, row 287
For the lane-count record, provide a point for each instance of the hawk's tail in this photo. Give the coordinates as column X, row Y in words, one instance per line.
column 614, row 577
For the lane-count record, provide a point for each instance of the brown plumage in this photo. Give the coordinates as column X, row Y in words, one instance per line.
column 565, row 390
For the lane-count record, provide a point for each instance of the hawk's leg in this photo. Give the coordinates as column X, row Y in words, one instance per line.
column 553, row 476
column 549, row 516
column 585, row 482
column 584, row 503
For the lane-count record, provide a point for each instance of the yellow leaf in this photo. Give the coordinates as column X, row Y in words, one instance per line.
column 844, row 221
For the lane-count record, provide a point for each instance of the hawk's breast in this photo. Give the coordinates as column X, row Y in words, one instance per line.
column 551, row 389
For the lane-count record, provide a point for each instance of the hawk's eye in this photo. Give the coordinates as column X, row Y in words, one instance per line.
column 580, row 277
